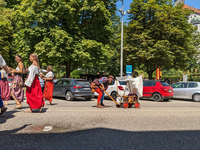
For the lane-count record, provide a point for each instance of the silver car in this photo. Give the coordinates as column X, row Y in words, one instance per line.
column 71, row 88
column 187, row 90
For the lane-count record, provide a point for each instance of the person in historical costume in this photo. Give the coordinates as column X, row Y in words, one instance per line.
column 134, row 94
column 5, row 90
column 101, row 84
column 17, row 91
column 5, row 67
column 34, row 92
column 49, row 85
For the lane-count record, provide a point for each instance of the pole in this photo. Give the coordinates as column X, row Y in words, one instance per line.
column 121, row 68
column 159, row 72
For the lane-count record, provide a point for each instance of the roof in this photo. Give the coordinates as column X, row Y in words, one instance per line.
column 192, row 8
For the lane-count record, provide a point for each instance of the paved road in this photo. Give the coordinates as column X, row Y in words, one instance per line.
column 80, row 125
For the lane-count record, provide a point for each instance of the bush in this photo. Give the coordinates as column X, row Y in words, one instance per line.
column 76, row 73
column 193, row 78
column 175, row 78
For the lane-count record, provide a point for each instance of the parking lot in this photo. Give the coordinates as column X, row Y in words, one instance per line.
column 75, row 124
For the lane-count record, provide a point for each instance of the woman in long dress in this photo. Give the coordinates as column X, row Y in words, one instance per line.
column 17, row 91
column 5, row 90
column 3, row 108
column 49, row 85
column 34, row 92
column 5, row 67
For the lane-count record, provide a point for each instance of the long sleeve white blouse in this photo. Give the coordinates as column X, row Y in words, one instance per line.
column 2, row 61
column 33, row 70
column 49, row 74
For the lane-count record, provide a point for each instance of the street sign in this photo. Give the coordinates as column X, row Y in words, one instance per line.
column 128, row 70
column 185, row 78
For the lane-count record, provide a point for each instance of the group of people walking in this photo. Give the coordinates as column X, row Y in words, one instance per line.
column 34, row 94
column 36, row 90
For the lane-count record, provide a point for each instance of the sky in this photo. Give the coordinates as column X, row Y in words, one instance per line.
column 193, row 3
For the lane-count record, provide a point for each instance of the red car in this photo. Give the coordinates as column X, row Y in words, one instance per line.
column 157, row 90
column 9, row 79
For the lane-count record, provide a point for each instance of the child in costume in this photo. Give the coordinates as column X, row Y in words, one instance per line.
column 133, row 96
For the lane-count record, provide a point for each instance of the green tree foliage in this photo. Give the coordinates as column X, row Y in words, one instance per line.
column 113, row 67
column 12, row 3
column 71, row 33
column 158, row 34
column 6, row 31
column 193, row 63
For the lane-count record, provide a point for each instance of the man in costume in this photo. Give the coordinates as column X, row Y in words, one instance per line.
column 101, row 84
column 5, row 67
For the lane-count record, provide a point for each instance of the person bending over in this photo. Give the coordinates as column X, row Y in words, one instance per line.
column 101, row 84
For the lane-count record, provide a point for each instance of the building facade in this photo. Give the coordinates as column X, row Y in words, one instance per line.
column 193, row 18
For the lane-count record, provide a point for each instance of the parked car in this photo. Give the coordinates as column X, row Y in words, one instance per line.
column 72, row 88
column 112, row 89
column 187, row 90
column 157, row 90
column 9, row 79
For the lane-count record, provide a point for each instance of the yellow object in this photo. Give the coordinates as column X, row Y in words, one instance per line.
column 160, row 72
column 111, row 98
column 92, row 90
column 157, row 74
column 188, row 72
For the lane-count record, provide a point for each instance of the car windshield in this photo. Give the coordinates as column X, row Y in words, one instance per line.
column 122, row 82
column 164, row 83
column 82, row 82
column 9, row 79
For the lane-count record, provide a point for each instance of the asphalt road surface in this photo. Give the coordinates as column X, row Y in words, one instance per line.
column 80, row 125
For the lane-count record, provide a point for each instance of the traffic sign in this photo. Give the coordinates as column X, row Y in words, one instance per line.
column 128, row 70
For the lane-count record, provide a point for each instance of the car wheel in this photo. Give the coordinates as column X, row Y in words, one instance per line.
column 157, row 97
column 114, row 95
column 196, row 97
column 69, row 96
column 166, row 99
column 88, row 98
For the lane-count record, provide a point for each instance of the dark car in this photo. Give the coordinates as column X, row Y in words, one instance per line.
column 72, row 88
column 157, row 90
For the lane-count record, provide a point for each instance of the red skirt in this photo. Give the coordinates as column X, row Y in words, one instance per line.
column 48, row 90
column 5, row 90
column 34, row 94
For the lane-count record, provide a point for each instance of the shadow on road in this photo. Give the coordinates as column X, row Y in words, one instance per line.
column 187, row 100
column 151, row 100
column 37, row 110
column 101, row 138
column 7, row 115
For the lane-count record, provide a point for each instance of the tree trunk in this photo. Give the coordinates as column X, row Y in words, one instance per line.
column 58, row 69
column 68, row 66
column 150, row 74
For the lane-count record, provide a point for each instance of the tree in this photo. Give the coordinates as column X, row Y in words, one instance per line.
column 196, row 43
column 113, row 67
column 70, row 33
column 158, row 34
column 12, row 3
column 6, row 31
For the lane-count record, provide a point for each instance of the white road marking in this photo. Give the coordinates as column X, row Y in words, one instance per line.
column 47, row 128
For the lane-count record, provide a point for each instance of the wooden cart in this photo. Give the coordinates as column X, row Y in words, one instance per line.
column 126, row 101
